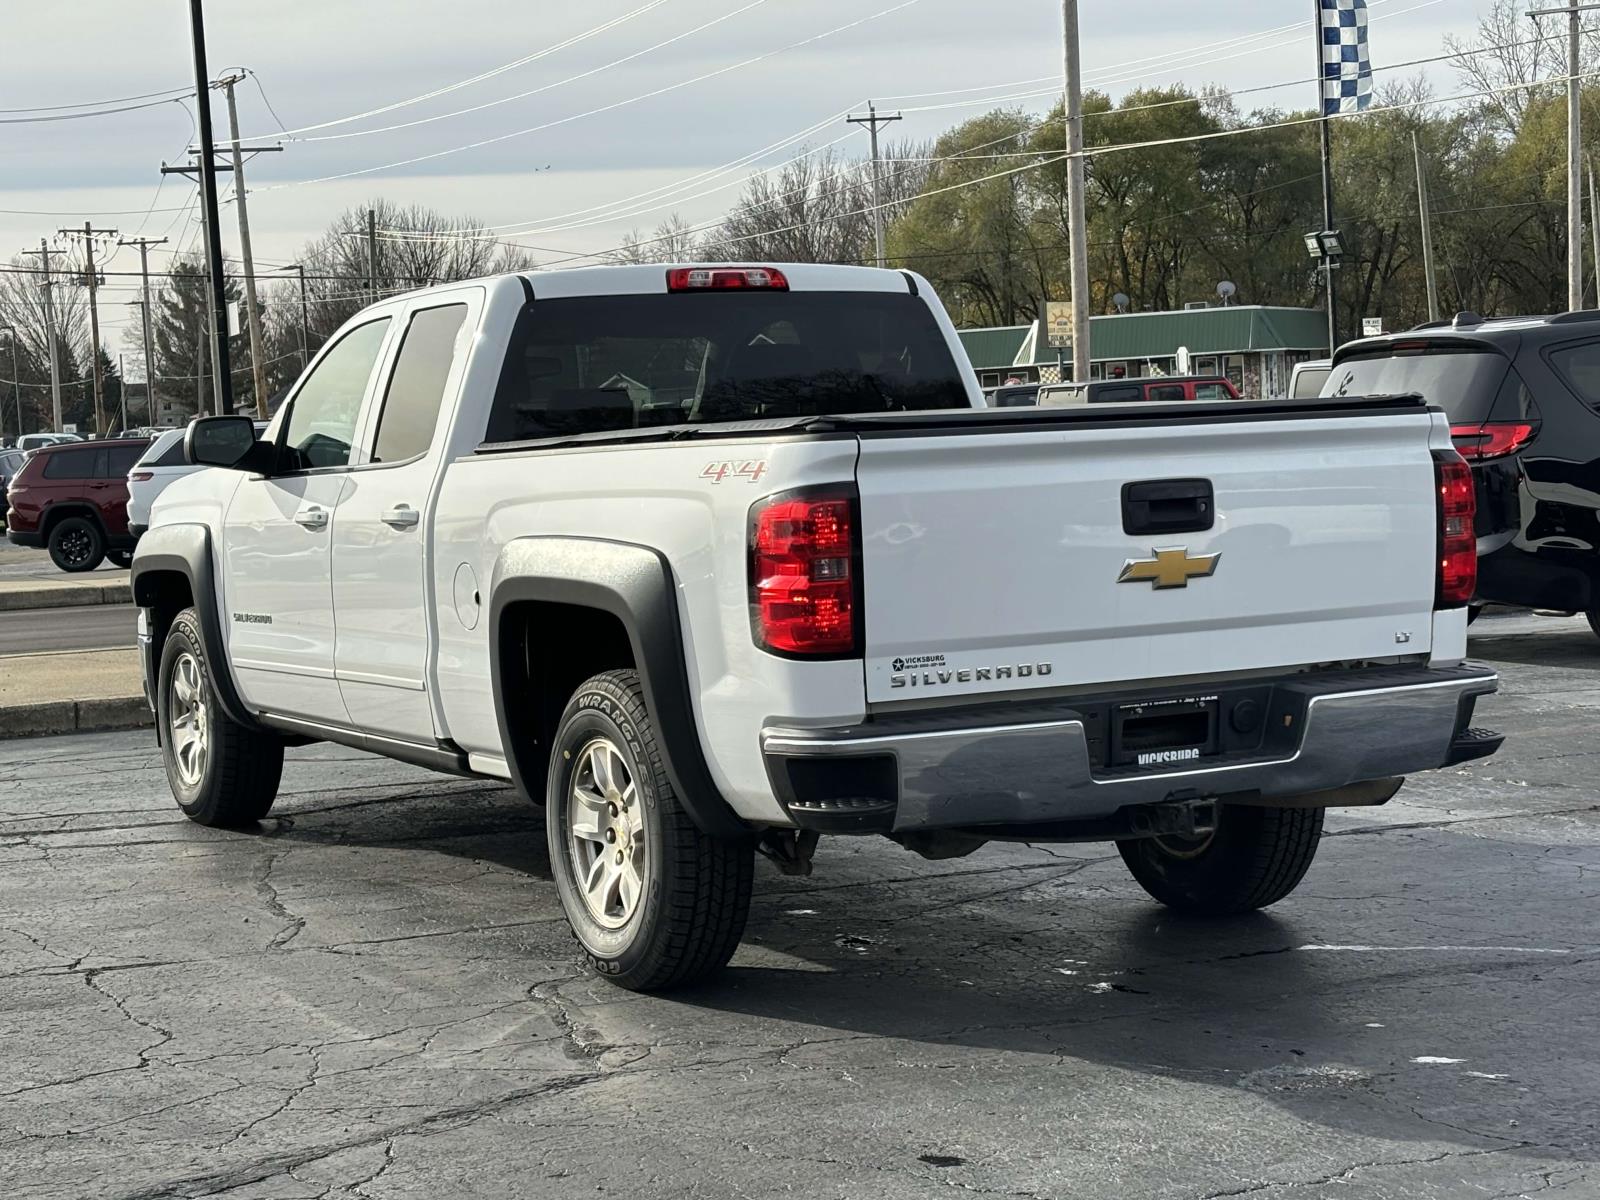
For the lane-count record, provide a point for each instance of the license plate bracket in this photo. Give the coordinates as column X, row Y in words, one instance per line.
column 1164, row 732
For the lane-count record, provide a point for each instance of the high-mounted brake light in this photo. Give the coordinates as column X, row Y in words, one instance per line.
column 805, row 573
column 1492, row 439
column 1457, row 577
column 723, row 279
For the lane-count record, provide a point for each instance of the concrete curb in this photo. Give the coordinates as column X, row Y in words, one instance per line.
column 16, row 597
column 74, row 716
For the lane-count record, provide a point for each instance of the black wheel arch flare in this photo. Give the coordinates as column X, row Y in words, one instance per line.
column 185, row 550
column 634, row 584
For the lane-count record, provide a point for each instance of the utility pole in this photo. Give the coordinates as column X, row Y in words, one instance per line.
column 50, row 334
column 1594, row 231
column 1427, row 230
column 872, row 120
column 1077, row 222
column 122, row 392
column 89, row 233
column 372, row 256
column 208, row 192
column 1574, row 155
column 1571, row 10
column 144, row 245
column 1325, row 142
column 305, row 316
column 211, row 287
column 217, row 316
column 200, row 371
column 252, row 311
column 16, row 377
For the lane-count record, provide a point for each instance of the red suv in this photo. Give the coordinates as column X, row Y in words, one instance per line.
column 73, row 498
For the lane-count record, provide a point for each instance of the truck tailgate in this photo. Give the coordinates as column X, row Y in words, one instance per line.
column 992, row 557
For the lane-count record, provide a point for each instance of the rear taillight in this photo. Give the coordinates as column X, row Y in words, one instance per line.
column 1492, row 439
column 140, row 476
column 1458, row 544
column 805, row 573
column 722, row 279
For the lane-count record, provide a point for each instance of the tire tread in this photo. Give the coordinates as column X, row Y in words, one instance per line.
column 248, row 765
column 706, row 906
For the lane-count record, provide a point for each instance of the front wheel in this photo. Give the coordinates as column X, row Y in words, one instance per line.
column 1254, row 857
column 654, row 902
column 221, row 773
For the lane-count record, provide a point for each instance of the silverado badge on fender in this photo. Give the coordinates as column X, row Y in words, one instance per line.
column 1169, row 568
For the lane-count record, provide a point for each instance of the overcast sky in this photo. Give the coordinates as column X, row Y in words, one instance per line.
column 322, row 60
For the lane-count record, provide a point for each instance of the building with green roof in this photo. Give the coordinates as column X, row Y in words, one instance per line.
column 1254, row 345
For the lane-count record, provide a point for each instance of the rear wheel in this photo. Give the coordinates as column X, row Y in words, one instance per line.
column 1254, row 857
column 76, row 544
column 654, row 902
column 221, row 773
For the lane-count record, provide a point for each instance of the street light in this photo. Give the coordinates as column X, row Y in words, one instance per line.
column 1325, row 245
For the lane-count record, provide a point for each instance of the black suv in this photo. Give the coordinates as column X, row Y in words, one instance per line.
column 1523, row 397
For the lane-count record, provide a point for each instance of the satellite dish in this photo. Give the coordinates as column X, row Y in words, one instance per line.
column 1227, row 290
column 1121, row 301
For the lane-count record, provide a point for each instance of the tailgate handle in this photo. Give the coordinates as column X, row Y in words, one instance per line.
column 1156, row 506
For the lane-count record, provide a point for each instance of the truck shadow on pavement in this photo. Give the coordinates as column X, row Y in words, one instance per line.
column 1400, row 1040
column 490, row 823
column 1578, row 651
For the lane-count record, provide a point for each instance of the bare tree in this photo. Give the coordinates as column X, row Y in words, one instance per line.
column 817, row 208
column 674, row 240
column 22, row 306
column 1508, row 55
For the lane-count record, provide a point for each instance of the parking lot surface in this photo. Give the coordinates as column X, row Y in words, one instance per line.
column 374, row 994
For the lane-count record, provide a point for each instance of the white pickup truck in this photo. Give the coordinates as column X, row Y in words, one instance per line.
column 713, row 560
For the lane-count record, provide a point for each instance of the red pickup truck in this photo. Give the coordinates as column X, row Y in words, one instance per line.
column 73, row 499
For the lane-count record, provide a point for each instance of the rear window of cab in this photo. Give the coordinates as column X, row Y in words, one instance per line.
column 600, row 363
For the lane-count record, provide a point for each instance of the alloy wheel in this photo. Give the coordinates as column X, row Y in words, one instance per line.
column 606, row 833
column 187, row 722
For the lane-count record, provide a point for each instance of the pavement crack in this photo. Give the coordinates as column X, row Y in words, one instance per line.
column 1344, row 1175
column 1364, row 830
column 268, row 893
column 191, row 1187
column 581, row 1041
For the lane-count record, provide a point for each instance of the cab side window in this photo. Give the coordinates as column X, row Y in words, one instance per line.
column 1167, row 393
column 322, row 420
column 416, row 389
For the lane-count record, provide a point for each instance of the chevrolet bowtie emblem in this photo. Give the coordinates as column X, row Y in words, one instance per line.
column 1169, row 568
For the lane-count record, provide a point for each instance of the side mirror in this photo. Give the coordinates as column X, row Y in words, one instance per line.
column 218, row 441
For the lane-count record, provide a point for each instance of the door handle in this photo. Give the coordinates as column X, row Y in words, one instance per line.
column 312, row 518
column 401, row 516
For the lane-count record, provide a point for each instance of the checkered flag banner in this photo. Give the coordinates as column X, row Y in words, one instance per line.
column 1346, row 60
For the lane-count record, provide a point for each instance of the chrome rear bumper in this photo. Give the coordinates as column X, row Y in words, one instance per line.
column 945, row 769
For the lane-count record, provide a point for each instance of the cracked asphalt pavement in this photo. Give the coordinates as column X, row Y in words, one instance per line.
column 374, row 995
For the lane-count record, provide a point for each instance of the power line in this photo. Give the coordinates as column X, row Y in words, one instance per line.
column 479, row 78
column 1173, row 60
column 82, row 116
column 96, row 103
column 661, row 91
column 632, row 206
column 547, row 87
column 1097, row 152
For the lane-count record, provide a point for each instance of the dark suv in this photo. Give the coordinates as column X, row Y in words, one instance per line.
column 1523, row 397
column 73, row 498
